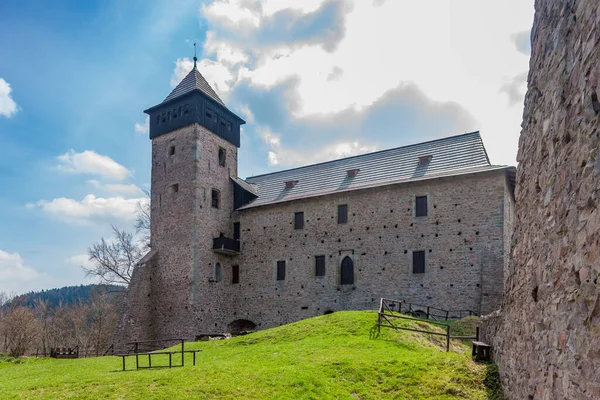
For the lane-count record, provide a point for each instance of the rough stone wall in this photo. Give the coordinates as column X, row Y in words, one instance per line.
column 548, row 346
column 463, row 236
column 172, row 296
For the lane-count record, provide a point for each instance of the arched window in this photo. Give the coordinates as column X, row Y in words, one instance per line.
column 218, row 272
column 347, row 271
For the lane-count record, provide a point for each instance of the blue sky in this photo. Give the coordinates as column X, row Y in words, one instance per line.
column 315, row 80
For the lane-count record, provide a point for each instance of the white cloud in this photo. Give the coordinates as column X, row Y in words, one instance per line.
column 8, row 107
column 144, row 128
column 92, row 163
column 466, row 52
column 80, row 260
column 14, row 274
column 90, row 209
column 283, row 156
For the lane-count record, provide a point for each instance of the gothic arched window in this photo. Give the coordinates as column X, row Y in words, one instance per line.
column 347, row 271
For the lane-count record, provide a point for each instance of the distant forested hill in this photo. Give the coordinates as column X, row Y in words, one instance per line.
column 67, row 295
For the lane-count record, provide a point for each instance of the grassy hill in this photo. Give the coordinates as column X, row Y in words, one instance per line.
column 327, row 357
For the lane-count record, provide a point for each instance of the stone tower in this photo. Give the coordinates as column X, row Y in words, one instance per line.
column 194, row 159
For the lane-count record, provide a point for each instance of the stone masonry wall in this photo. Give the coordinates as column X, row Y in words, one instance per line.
column 548, row 344
column 462, row 235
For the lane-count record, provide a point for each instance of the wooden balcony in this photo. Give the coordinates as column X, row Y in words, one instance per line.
column 226, row 246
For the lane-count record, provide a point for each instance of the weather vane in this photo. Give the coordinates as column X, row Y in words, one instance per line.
column 195, row 58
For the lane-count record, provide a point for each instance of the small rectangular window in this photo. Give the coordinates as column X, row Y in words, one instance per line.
column 418, row 262
column 421, row 206
column 299, row 220
column 236, row 231
column 175, row 187
column 222, row 154
column 235, row 274
column 215, row 200
column 281, row 270
column 319, row 265
column 172, row 150
column 342, row 213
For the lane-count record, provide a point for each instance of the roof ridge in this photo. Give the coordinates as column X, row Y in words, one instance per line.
column 375, row 152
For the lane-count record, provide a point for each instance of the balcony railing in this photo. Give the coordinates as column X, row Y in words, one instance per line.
column 227, row 246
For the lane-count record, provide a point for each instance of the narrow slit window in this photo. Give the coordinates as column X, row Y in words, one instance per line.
column 236, row 231
column 342, row 213
column 217, row 272
column 215, row 198
column 172, row 150
column 281, row 270
column 222, row 155
column 299, row 220
column 319, row 265
column 235, row 274
column 418, row 262
column 185, row 109
column 421, row 206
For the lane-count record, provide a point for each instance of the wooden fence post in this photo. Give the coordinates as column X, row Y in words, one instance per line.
column 447, row 338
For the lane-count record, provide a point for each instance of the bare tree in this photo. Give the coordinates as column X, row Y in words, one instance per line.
column 20, row 329
column 113, row 261
column 142, row 220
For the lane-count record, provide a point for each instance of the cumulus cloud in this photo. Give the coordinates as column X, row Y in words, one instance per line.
column 117, row 188
column 14, row 274
column 90, row 208
column 143, row 128
column 285, row 156
column 515, row 89
column 8, row 107
column 91, row 163
column 522, row 41
column 340, row 59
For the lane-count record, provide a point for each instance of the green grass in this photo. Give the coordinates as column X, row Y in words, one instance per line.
column 328, row 357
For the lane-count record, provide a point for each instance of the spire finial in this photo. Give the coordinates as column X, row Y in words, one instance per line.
column 195, row 58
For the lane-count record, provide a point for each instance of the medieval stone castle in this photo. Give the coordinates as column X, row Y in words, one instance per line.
column 427, row 223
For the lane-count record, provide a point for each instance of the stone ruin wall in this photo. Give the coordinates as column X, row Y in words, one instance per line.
column 547, row 334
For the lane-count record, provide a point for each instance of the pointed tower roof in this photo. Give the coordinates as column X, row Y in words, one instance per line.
column 193, row 81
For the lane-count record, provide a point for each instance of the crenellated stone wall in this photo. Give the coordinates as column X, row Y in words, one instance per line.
column 547, row 335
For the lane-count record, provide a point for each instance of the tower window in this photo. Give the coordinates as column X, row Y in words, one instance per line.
column 172, row 150
column 174, row 114
column 235, row 274
column 319, row 265
column 421, row 206
column 215, row 198
column 281, row 270
column 418, row 258
column 158, row 119
column 185, row 109
column 299, row 220
column 342, row 213
column 347, row 271
column 217, row 272
column 222, row 154
column 164, row 118
column 236, row 231
column 175, row 187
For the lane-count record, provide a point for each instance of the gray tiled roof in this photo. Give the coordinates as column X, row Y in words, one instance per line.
column 194, row 81
column 455, row 155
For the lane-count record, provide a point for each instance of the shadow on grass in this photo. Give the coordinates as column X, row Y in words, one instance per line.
column 492, row 382
column 374, row 332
